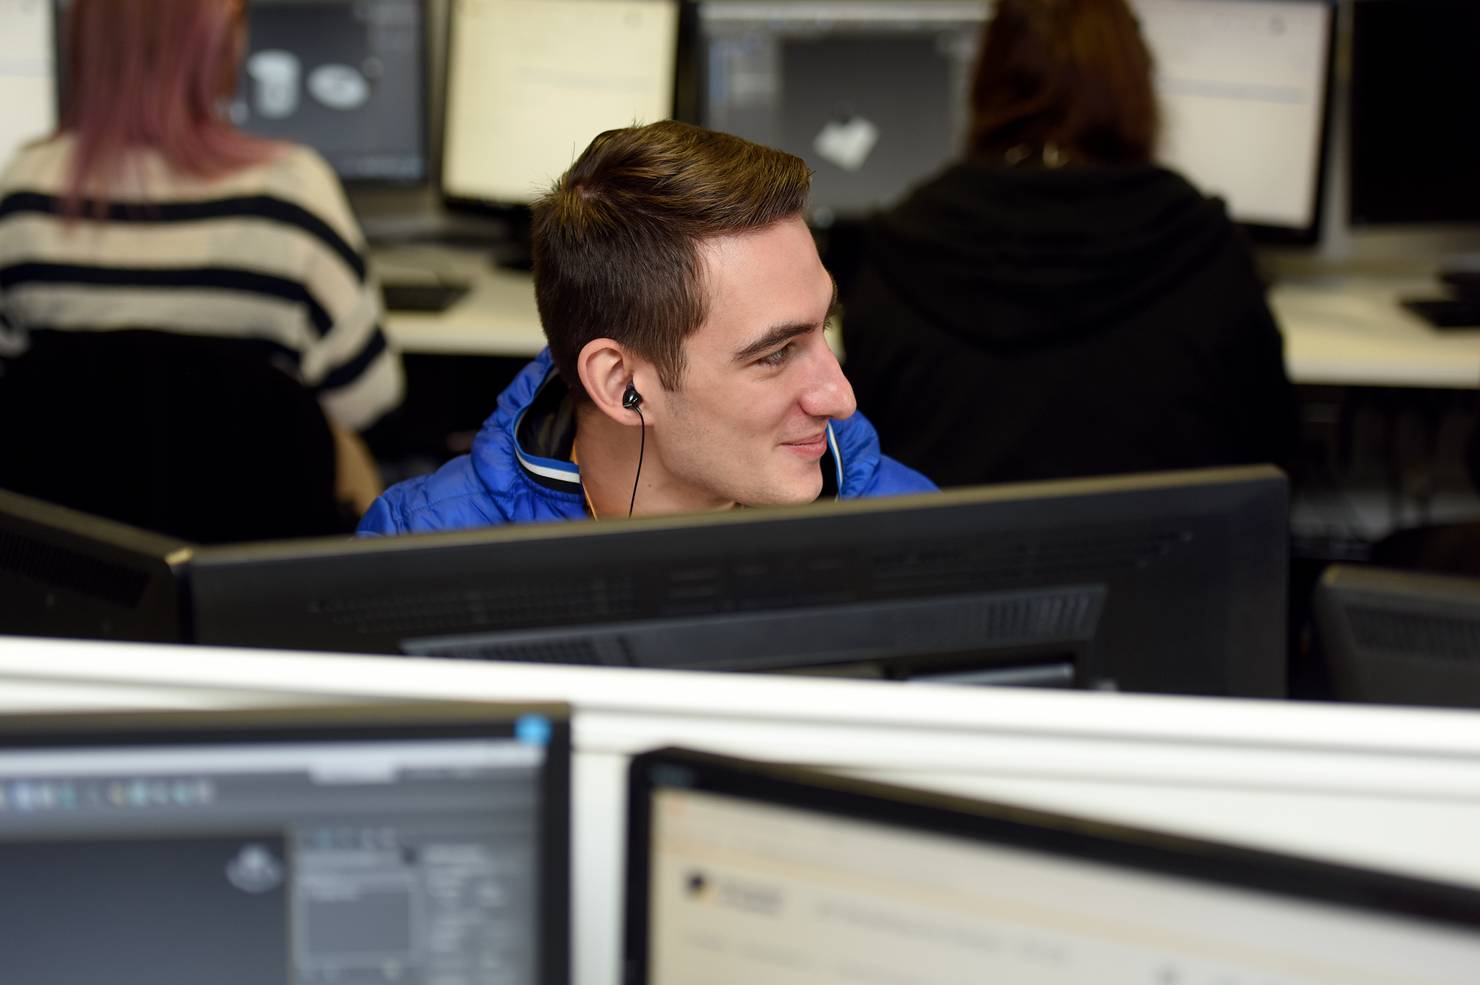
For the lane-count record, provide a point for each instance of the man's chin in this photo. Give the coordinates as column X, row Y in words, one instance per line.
column 790, row 491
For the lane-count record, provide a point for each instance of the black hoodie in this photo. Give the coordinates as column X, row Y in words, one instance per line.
column 1014, row 324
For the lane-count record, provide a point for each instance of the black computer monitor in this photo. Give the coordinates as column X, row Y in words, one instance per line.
column 1414, row 77
column 531, row 82
column 411, row 844
column 743, row 872
column 1399, row 637
column 70, row 574
column 345, row 77
column 874, row 95
column 1168, row 582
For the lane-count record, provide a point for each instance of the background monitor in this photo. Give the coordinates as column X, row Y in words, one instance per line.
column 874, row 95
column 1415, row 149
column 1169, row 582
column 27, row 83
column 415, row 844
column 65, row 573
column 739, row 872
column 1399, row 637
column 345, row 77
column 531, row 82
column 1244, row 93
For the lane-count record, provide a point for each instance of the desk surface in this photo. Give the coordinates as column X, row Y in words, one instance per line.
column 1351, row 331
column 1339, row 331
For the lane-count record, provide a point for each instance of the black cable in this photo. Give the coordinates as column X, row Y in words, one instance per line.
column 641, row 447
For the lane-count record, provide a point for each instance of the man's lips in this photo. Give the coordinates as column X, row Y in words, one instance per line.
column 813, row 445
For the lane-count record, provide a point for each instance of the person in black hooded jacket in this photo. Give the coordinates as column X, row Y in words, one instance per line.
column 1056, row 304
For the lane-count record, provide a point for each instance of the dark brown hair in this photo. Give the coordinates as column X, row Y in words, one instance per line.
column 616, row 241
column 1073, row 75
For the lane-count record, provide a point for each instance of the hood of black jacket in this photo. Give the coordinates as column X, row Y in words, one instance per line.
column 1026, row 257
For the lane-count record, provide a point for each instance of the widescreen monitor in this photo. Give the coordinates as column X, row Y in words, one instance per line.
column 531, row 82
column 70, row 574
column 1415, row 148
column 376, row 845
column 27, row 83
column 874, row 95
column 345, row 77
column 1399, row 637
column 738, row 872
column 1171, row 582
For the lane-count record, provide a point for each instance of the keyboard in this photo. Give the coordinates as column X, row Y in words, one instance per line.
column 425, row 296
column 1446, row 312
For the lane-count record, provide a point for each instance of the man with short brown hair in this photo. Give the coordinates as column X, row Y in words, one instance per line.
column 684, row 303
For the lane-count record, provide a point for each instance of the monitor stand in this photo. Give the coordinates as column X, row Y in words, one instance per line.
column 513, row 250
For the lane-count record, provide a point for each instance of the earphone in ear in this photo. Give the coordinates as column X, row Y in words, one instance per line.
column 632, row 400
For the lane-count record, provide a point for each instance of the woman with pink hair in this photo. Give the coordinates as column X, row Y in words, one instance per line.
column 149, row 212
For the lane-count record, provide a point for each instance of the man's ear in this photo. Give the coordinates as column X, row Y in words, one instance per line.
column 606, row 367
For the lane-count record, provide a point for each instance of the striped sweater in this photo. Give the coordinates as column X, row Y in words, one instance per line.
column 270, row 255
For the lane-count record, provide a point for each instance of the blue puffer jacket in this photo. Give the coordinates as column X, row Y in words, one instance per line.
column 505, row 480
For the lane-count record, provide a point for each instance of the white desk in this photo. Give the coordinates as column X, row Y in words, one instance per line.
column 1351, row 331
column 497, row 317
column 1347, row 331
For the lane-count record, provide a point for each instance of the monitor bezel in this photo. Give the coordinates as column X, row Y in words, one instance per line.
column 372, row 720
column 1056, row 835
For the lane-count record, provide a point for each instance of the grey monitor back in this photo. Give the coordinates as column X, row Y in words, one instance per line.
column 1170, row 582
column 1400, row 637
column 65, row 573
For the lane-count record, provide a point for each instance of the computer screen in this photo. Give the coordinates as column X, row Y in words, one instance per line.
column 874, row 95
column 70, row 574
column 1243, row 91
column 531, row 82
column 421, row 845
column 345, row 77
column 740, row 873
column 1415, row 149
column 1171, row 582
column 27, row 83
column 1399, row 637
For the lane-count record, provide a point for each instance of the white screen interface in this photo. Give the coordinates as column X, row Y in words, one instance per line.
column 27, row 84
column 396, row 862
column 1242, row 91
column 531, row 82
column 745, row 892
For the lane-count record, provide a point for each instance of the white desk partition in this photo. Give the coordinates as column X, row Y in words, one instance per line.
column 1392, row 788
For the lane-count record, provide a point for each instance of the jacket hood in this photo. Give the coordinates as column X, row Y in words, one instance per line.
column 1025, row 257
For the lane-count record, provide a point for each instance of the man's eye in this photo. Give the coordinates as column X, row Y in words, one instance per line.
column 778, row 357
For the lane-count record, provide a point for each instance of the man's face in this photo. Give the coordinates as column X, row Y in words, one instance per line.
column 760, row 383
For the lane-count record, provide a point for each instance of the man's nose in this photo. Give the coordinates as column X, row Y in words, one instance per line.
column 828, row 394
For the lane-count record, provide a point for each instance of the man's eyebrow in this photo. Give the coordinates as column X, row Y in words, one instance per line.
column 785, row 333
